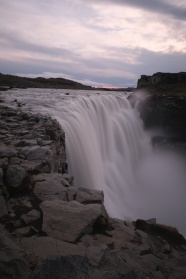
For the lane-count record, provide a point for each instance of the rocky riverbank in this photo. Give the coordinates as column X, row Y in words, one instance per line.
column 51, row 229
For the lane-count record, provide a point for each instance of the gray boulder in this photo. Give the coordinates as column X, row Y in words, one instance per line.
column 68, row 221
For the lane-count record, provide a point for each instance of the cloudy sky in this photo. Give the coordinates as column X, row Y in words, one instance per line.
column 96, row 42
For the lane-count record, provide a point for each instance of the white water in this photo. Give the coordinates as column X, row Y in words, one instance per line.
column 107, row 149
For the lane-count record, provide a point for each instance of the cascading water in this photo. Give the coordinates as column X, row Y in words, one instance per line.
column 107, row 149
column 105, row 144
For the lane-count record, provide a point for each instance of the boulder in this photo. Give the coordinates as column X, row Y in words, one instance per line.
column 68, row 221
column 15, row 175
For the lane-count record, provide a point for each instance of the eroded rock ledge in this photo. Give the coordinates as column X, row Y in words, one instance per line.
column 50, row 229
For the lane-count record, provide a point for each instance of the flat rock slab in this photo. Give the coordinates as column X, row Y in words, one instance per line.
column 68, row 221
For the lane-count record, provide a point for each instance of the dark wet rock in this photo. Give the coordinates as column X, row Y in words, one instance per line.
column 60, row 217
column 12, row 260
column 15, row 175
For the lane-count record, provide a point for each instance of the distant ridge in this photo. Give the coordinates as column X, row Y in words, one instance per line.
column 12, row 81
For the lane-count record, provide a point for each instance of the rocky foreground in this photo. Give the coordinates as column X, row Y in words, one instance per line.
column 51, row 229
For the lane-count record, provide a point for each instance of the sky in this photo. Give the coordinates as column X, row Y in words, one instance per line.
column 102, row 43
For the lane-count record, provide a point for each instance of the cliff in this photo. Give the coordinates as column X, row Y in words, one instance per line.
column 23, row 82
column 163, row 83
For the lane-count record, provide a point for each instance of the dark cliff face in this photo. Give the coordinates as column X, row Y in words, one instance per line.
column 163, row 106
column 162, row 78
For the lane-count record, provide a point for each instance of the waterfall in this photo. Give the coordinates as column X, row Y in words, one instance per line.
column 108, row 150
column 105, row 144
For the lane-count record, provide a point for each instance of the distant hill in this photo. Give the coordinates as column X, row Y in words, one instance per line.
column 23, row 82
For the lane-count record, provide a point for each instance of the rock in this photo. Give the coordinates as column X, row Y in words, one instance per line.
column 76, row 267
column 19, row 203
column 49, row 187
column 12, row 260
column 36, row 152
column 60, row 218
column 39, row 249
column 69, row 178
column 39, row 154
column 3, row 207
column 95, row 253
column 87, row 196
column 22, row 232
column 71, row 193
column 15, row 175
column 7, row 152
column 1, row 178
column 31, row 216
column 170, row 234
